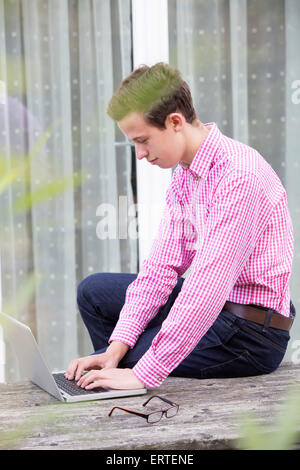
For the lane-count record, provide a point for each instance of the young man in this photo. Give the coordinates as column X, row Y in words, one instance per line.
column 227, row 219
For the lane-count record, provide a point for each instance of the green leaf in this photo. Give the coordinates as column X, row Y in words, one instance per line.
column 282, row 434
column 252, row 434
column 11, row 170
column 46, row 192
column 15, row 305
column 288, row 422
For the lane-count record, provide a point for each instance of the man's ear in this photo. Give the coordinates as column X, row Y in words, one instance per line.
column 175, row 120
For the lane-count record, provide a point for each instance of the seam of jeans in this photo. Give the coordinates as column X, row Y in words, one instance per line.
column 244, row 354
column 263, row 338
column 263, row 369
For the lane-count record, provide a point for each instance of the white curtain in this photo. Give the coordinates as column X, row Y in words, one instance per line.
column 60, row 62
column 241, row 59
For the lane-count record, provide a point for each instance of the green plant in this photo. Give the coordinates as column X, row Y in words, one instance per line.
column 284, row 432
column 16, row 168
column 10, row 172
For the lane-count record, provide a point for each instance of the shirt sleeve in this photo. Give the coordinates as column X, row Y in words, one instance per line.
column 238, row 214
column 169, row 258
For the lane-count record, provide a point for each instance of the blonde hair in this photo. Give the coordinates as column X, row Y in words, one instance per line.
column 154, row 91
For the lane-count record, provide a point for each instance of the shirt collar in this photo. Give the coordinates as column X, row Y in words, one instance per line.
column 204, row 157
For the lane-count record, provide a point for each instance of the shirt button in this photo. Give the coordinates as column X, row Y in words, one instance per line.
column 196, row 178
column 159, row 379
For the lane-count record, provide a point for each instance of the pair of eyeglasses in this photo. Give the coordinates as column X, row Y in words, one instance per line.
column 153, row 416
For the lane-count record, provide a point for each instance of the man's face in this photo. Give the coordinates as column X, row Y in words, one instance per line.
column 162, row 147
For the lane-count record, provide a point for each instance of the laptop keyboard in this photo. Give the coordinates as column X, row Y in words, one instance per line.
column 70, row 386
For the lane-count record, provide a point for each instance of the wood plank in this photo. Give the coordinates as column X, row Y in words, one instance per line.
column 207, row 419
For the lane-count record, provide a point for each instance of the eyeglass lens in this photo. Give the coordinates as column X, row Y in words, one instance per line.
column 155, row 417
column 171, row 412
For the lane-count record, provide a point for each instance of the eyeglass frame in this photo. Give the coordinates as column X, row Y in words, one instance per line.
column 163, row 411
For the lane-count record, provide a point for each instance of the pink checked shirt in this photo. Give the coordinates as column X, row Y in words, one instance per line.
column 227, row 218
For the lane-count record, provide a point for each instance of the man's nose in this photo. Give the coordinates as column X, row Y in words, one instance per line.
column 140, row 152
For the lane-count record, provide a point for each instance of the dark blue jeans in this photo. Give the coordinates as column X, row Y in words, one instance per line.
column 232, row 347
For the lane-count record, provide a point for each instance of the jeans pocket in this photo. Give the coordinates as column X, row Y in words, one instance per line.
column 262, row 352
column 263, row 338
column 258, row 366
column 219, row 333
column 209, row 340
column 225, row 326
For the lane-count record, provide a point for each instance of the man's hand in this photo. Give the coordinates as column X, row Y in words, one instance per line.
column 120, row 379
column 96, row 361
column 109, row 359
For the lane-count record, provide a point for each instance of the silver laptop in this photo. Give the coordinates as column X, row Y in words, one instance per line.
column 34, row 366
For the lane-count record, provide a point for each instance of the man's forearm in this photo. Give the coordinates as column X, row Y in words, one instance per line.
column 118, row 349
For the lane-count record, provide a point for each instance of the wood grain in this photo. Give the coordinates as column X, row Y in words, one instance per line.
column 208, row 417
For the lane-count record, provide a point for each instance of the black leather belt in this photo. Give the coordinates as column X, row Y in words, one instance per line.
column 260, row 315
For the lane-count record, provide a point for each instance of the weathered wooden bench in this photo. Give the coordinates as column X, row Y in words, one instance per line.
column 208, row 417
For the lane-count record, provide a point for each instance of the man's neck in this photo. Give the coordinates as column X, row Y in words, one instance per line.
column 196, row 135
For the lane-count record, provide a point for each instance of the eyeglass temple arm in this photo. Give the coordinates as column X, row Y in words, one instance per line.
column 127, row 411
column 162, row 398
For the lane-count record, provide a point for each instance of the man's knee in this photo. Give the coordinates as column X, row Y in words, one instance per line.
column 89, row 285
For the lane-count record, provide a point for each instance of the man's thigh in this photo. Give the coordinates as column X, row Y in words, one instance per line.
column 110, row 302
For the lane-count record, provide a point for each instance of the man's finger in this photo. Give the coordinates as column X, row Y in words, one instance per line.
column 86, row 378
column 75, row 369
column 81, row 367
column 95, row 384
column 69, row 374
column 96, row 379
column 99, row 382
